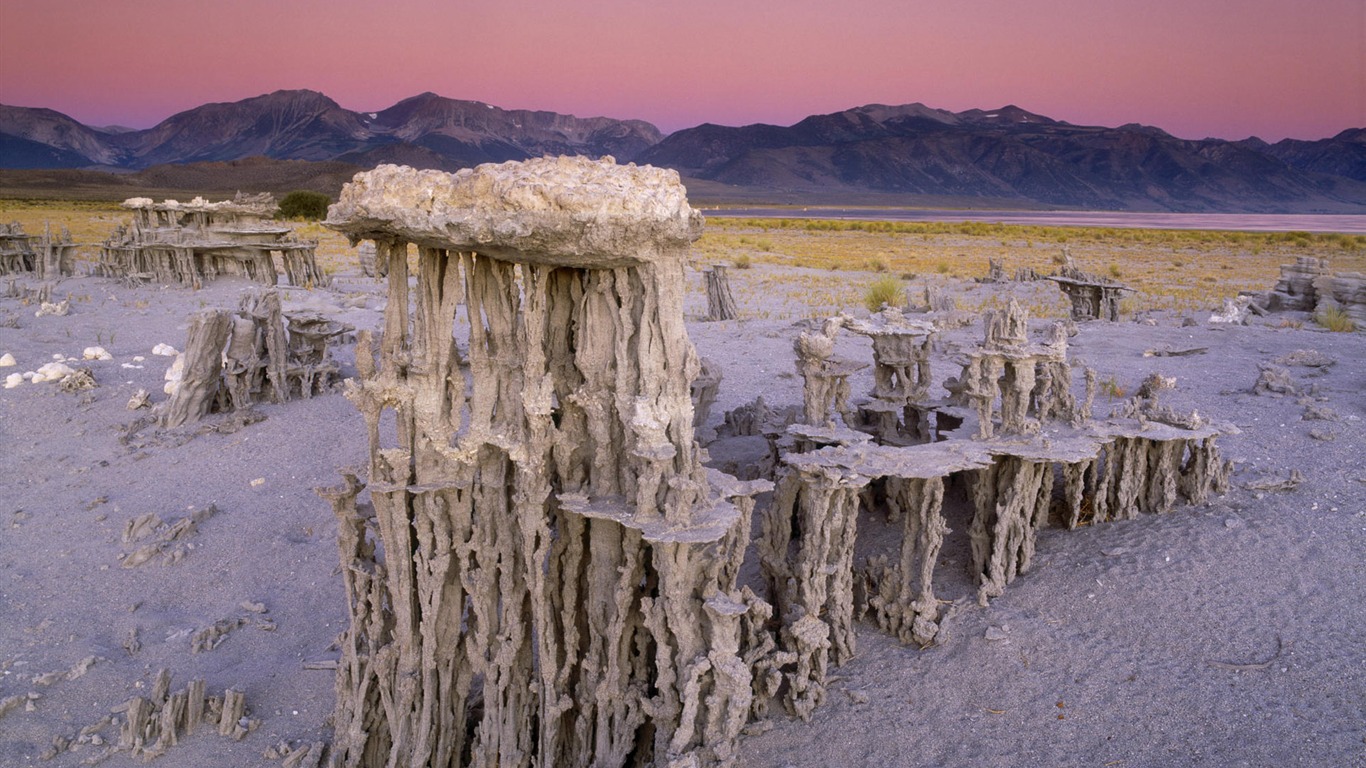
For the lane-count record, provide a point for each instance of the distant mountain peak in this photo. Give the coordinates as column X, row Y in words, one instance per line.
column 302, row 124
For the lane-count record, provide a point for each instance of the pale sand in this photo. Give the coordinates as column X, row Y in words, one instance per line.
column 1222, row 635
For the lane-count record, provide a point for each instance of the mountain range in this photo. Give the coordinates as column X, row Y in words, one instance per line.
column 909, row 150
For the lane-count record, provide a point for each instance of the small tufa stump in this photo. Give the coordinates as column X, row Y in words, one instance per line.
column 720, row 303
column 234, row 360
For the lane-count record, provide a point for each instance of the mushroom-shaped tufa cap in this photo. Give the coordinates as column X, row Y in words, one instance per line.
column 560, row 211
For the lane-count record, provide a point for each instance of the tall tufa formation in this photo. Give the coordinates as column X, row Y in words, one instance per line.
column 557, row 578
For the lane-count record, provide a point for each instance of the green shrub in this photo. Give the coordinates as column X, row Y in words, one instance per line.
column 1335, row 319
column 884, row 290
column 304, row 204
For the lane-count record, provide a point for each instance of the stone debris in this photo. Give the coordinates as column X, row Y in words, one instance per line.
column 1309, row 358
column 75, row 672
column 53, row 308
column 1167, row 351
column 234, row 360
column 190, row 243
column 140, row 399
column 7, row 360
column 96, row 353
column 212, row 636
column 1268, row 484
column 1320, row 412
column 149, row 726
column 78, row 380
column 1234, row 312
column 1274, row 380
column 169, row 543
column 307, row 755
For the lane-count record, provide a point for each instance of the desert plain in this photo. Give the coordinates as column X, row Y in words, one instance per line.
column 1225, row 634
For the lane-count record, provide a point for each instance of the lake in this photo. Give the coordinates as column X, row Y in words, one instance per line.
column 1244, row 222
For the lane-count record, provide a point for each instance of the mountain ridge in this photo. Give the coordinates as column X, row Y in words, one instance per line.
column 908, row 149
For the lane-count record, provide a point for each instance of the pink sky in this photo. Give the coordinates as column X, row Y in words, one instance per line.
column 1195, row 68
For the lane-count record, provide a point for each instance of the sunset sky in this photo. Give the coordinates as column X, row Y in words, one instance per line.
column 1195, row 68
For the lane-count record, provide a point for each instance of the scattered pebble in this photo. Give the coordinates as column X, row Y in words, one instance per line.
column 52, row 372
column 96, row 353
column 7, row 360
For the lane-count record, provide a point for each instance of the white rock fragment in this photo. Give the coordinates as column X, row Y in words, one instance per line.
column 52, row 372
column 7, row 360
column 174, row 374
column 96, row 353
column 58, row 309
column 997, row 634
column 138, row 358
column 140, row 399
column 13, row 380
column 164, row 350
column 1235, row 312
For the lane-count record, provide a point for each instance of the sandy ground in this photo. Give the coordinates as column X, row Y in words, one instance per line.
column 1231, row 634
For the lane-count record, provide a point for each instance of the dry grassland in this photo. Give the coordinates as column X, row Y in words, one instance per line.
column 830, row 264
column 1171, row 269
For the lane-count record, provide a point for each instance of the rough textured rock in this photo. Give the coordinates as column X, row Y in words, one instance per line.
column 16, row 250
column 48, row 257
column 901, row 375
column 1007, row 377
column 235, row 360
column 720, row 302
column 1295, row 289
column 557, row 584
column 525, row 211
column 1093, row 297
column 1274, row 379
column 1309, row 285
column 1345, row 290
column 825, row 378
column 188, row 243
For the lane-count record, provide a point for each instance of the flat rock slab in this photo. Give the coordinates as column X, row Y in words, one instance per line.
column 564, row 211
